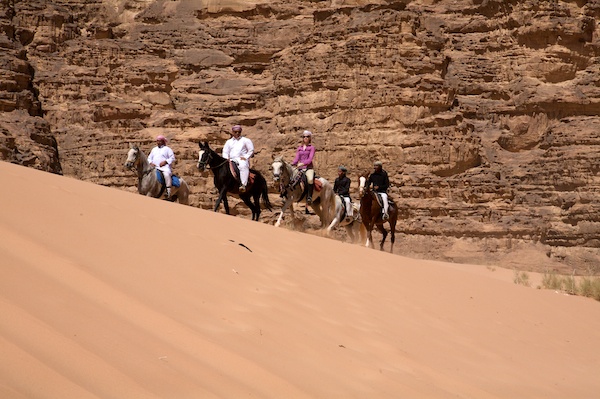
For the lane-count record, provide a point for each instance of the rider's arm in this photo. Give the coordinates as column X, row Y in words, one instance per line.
column 170, row 158
column 226, row 149
column 297, row 157
column 249, row 149
column 386, row 182
column 345, row 189
column 151, row 157
column 311, row 155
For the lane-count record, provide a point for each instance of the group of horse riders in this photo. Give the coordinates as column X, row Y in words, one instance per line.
column 240, row 149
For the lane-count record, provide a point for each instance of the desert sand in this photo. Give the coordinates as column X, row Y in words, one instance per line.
column 109, row 294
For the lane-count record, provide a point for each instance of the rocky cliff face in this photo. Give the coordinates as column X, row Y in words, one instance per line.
column 484, row 112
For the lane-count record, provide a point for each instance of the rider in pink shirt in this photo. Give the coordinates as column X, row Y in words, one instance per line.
column 304, row 159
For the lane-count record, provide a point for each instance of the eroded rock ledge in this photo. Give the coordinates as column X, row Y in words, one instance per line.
column 485, row 113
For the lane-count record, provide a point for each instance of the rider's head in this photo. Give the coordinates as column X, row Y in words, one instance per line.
column 377, row 165
column 161, row 140
column 307, row 136
column 342, row 170
column 236, row 130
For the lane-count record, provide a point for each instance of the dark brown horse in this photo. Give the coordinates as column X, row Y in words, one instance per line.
column 371, row 215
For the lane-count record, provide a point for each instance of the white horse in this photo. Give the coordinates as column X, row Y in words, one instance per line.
column 148, row 183
column 291, row 190
column 352, row 224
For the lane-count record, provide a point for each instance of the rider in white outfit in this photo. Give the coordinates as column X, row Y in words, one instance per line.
column 239, row 149
column 162, row 157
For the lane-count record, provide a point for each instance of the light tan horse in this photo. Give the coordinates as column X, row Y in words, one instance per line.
column 353, row 225
column 148, row 183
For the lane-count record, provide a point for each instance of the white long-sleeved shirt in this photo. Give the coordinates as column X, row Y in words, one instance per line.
column 236, row 148
column 159, row 154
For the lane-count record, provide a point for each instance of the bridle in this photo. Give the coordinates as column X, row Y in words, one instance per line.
column 283, row 188
column 135, row 163
column 204, row 164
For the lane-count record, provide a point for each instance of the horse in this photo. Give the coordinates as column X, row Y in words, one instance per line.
column 351, row 224
column 226, row 182
column 370, row 213
column 292, row 189
column 148, row 183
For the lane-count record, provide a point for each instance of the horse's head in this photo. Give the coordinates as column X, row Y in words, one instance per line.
column 133, row 156
column 204, row 156
column 277, row 167
column 362, row 187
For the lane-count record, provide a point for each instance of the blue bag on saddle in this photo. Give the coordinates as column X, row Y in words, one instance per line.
column 161, row 179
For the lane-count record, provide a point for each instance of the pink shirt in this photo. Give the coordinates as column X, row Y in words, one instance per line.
column 305, row 156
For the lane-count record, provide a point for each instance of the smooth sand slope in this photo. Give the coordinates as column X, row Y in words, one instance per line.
column 108, row 294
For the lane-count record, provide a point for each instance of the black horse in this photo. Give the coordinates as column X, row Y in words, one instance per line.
column 226, row 182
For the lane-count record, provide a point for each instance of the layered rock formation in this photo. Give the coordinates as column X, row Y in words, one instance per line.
column 484, row 112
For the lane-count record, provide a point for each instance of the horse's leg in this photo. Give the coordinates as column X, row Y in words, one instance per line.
column 332, row 225
column 256, row 197
column 393, row 230
column 337, row 218
column 250, row 205
column 368, row 228
column 384, row 233
column 350, row 232
column 222, row 197
column 362, row 232
column 288, row 202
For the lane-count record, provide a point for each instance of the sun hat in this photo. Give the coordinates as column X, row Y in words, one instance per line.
column 307, row 133
column 377, row 163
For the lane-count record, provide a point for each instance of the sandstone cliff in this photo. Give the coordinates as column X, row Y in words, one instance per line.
column 484, row 112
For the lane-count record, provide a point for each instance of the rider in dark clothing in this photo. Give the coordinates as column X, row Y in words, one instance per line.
column 381, row 182
column 341, row 187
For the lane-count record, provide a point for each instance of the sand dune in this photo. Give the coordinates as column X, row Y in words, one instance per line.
column 108, row 294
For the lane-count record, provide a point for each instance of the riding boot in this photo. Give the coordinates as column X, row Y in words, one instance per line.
column 310, row 193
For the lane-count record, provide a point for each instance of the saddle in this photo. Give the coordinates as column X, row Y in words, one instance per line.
column 380, row 201
column 175, row 182
column 235, row 172
column 355, row 212
column 301, row 180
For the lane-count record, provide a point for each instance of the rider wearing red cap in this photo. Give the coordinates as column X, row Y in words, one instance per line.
column 162, row 157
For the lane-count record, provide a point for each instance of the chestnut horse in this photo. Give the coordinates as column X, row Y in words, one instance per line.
column 371, row 214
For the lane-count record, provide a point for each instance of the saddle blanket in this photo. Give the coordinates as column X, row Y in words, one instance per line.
column 161, row 179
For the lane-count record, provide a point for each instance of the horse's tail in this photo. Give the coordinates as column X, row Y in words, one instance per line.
column 264, row 189
column 265, row 196
column 327, row 203
column 183, row 193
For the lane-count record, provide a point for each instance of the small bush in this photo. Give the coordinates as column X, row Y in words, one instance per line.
column 584, row 286
column 522, row 278
column 552, row 281
column 590, row 287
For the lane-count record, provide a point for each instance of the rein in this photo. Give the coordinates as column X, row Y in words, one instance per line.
column 208, row 158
